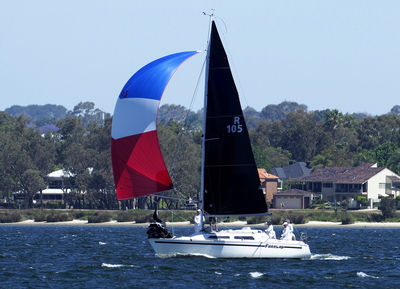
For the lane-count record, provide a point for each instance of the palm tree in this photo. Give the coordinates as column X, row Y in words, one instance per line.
column 334, row 119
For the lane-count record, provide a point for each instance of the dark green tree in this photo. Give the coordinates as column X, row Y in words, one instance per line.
column 374, row 131
column 384, row 152
column 323, row 160
column 252, row 118
column 278, row 112
column 88, row 113
column 388, row 207
column 101, row 183
column 395, row 110
column 393, row 162
column 25, row 159
column 182, row 155
column 302, row 135
column 278, row 157
column 261, row 158
column 74, row 157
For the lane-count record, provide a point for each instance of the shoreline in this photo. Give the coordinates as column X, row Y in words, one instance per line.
column 314, row 224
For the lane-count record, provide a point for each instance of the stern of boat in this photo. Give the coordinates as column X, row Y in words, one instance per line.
column 157, row 230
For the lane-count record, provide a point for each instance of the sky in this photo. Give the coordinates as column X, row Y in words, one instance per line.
column 338, row 54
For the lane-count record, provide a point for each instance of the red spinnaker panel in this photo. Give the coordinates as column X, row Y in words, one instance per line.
column 138, row 166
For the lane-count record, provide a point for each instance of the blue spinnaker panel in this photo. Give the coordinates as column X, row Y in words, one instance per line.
column 151, row 80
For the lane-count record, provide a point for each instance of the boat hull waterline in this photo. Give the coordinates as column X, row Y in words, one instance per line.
column 230, row 244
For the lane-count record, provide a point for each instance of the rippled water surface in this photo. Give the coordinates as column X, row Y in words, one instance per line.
column 86, row 256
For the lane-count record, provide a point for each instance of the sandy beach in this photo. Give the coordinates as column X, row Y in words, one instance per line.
column 231, row 224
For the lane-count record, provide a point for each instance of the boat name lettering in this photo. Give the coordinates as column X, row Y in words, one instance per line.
column 236, row 126
column 275, row 246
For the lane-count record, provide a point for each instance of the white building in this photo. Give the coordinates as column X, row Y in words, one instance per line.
column 343, row 183
column 55, row 187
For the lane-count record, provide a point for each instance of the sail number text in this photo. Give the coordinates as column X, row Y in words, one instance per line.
column 124, row 93
column 236, row 127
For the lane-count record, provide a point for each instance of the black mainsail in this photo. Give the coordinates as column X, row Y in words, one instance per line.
column 231, row 183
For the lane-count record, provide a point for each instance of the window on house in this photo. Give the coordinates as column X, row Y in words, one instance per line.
column 317, row 187
column 55, row 184
column 327, row 185
column 382, row 186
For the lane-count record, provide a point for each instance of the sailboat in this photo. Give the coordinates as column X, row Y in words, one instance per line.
column 230, row 185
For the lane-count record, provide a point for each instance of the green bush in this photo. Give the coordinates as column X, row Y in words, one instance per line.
column 53, row 218
column 77, row 214
column 100, row 217
column 347, row 219
column 368, row 217
column 361, row 200
column 12, row 217
column 298, row 217
column 139, row 216
column 318, row 201
column 10, row 205
column 58, row 217
column 322, row 216
column 40, row 216
column 276, row 219
column 145, row 218
column 388, row 207
column 126, row 216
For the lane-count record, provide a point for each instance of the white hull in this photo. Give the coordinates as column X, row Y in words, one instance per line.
column 244, row 243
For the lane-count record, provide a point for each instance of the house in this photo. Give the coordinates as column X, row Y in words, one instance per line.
column 344, row 183
column 55, row 187
column 292, row 171
column 269, row 183
column 293, row 199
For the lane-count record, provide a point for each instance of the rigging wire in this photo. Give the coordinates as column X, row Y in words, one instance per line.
column 186, row 122
column 182, row 135
column 172, row 217
column 186, row 125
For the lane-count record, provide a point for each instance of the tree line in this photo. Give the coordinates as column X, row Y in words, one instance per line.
column 337, row 141
column 80, row 145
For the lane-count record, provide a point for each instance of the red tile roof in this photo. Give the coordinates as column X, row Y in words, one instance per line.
column 262, row 174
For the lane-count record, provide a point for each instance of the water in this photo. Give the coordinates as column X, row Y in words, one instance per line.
column 88, row 256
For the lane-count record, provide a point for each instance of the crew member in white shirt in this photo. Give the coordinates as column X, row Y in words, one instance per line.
column 286, row 235
column 197, row 221
column 270, row 230
column 290, row 226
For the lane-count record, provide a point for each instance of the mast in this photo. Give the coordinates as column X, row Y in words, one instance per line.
column 204, row 123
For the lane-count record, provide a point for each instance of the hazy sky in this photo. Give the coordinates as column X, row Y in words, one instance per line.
column 325, row 54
